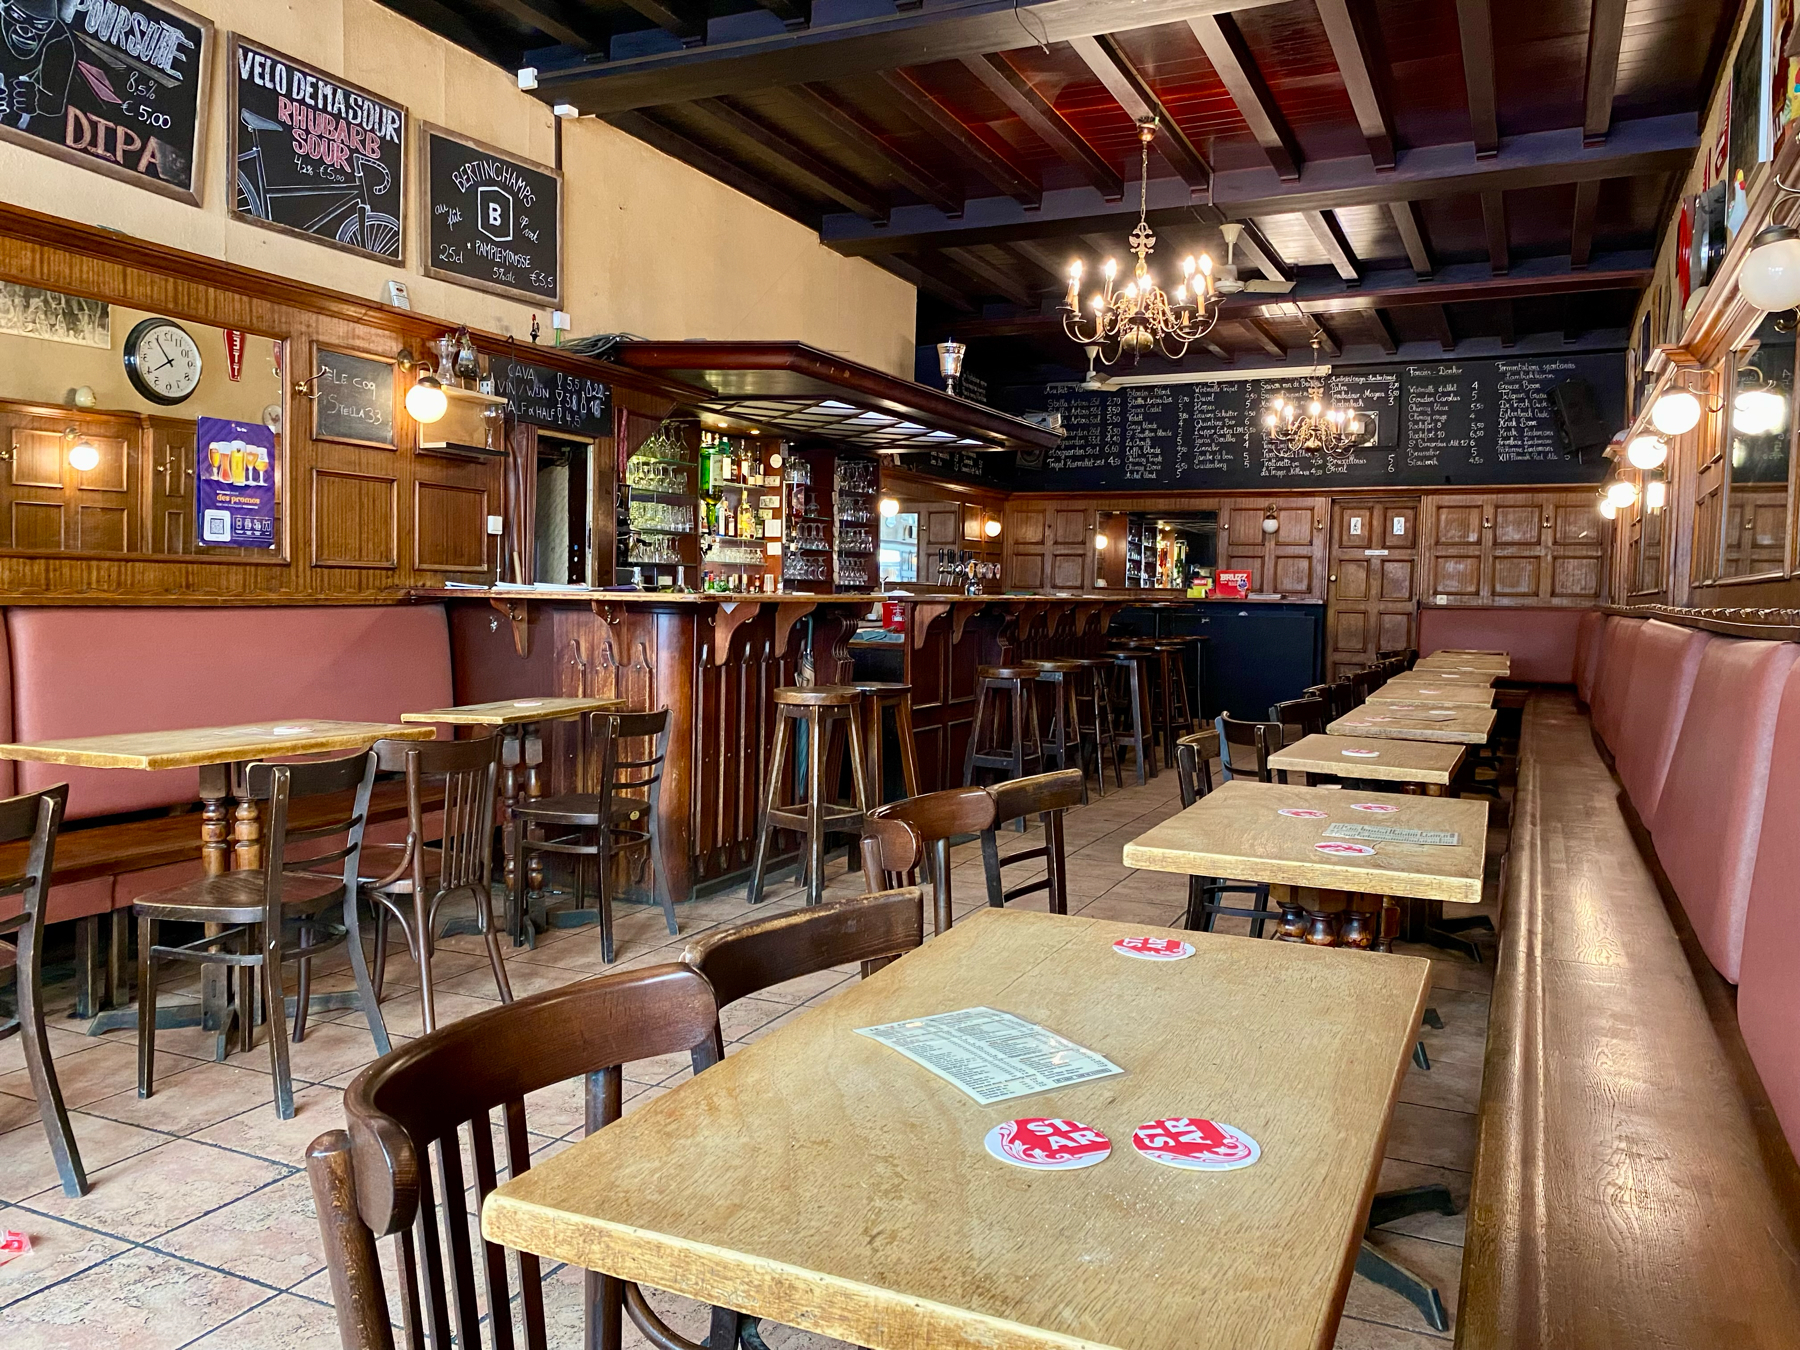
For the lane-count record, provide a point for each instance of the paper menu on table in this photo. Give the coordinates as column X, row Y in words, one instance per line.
column 992, row 1056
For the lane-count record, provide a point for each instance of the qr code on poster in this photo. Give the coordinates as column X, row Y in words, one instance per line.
column 215, row 527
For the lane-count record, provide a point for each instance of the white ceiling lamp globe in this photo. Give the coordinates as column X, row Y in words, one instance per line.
column 1656, row 495
column 1770, row 276
column 1607, row 509
column 1675, row 413
column 1621, row 494
column 1647, row 452
column 426, row 400
column 1757, row 412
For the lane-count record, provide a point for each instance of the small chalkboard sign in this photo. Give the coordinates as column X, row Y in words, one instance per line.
column 553, row 399
column 355, row 399
column 493, row 221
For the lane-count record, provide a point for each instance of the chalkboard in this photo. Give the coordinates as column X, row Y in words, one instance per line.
column 1487, row 421
column 315, row 156
column 116, row 88
column 355, row 400
column 554, row 399
column 493, row 221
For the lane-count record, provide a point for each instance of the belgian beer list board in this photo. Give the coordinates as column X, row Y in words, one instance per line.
column 1475, row 422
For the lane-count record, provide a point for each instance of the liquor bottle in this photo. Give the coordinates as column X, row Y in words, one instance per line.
column 746, row 519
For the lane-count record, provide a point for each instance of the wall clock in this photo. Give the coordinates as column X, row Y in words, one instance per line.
column 162, row 361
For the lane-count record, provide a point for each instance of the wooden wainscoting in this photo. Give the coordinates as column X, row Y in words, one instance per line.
column 1542, row 547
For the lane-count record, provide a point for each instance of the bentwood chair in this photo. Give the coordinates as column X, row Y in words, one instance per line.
column 902, row 839
column 1047, row 796
column 272, row 916
column 34, row 820
column 412, row 880
column 1193, row 775
column 1245, row 747
column 397, row 1169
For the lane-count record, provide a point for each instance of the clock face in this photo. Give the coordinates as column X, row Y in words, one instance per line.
column 162, row 361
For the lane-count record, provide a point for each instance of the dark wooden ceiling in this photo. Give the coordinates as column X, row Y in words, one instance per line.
column 1422, row 171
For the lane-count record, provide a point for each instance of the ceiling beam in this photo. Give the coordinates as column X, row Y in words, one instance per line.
column 1476, row 26
column 1437, row 318
column 1007, row 83
column 1581, row 236
column 1412, row 234
column 1040, row 254
column 1219, row 353
column 555, row 21
column 919, row 181
column 1357, row 61
column 1255, row 246
column 1493, row 220
column 1328, row 341
column 1132, row 92
column 447, row 22
column 1231, row 58
column 1606, row 34
column 778, row 148
column 1382, row 329
column 997, row 281
column 672, row 16
column 1006, row 174
column 1264, row 336
column 794, row 13
column 1337, row 248
column 857, row 45
column 907, row 271
column 678, row 145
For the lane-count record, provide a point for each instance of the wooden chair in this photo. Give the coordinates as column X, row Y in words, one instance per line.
column 36, row 816
column 1131, row 667
column 255, row 909
column 412, row 880
column 397, row 1169
column 1339, row 698
column 747, row 958
column 616, row 815
column 1193, row 775
column 903, row 838
column 820, row 707
column 1365, row 682
column 1299, row 717
column 1245, row 747
column 1048, row 796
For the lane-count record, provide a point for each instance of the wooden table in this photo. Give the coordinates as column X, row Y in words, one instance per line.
column 1427, row 763
column 1433, row 693
column 508, row 712
column 1447, row 675
column 1490, row 665
column 1467, row 726
column 821, row 1180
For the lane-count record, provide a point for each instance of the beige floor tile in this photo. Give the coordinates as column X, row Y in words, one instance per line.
column 140, row 1298
column 58, row 1250
column 27, row 1168
column 99, row 1073
column 271, row 1235
column 330, row 1049
column 404, row 1016
column 185, row 1102
column 282, row 1323
column 524, row 977
column 153, row 1192
column 316, row 1109
column 64, row 1042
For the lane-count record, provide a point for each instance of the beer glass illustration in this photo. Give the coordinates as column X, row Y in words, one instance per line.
column 237, row 464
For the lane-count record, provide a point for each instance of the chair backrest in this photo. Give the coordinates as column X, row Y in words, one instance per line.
column 397, row 1169
column 1245, row 747
column 331, row 849
column 1307, row 715
column 36, row 816
column 1193, row 765
column 934, row 819
column 1339, row 697
column 628, row 750
column 1365, row 682
column 456, row 778
column 1047, row 796
column 749, row 957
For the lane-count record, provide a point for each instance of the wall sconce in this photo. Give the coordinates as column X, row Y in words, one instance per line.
column 1677, row 411
column 1656, row 494
column 1607, row 510
column 1271, row 521
column 1770, row 276
column 1100, row 542
column 1647, row 452
column 992, row 528
column 888, row 506
column 426, row 401
column 81, row 452
column 1621, row 493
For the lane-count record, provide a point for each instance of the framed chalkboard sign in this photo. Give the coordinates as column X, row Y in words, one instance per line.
column 353, row 398
column 491, row 220
column 118, row 89
column 317, row 157
column 553, row 399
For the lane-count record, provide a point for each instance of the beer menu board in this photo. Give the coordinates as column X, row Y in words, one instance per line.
column 355, row 399
column 493, row 220
column 1490, row 420
column 553, row 399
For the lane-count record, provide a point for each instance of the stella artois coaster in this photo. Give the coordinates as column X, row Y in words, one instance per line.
column 1198, row 1145
column 1301, row 813
column 528, row 703
column 1045, row 1144
column 1361, row 754
column 1153, row 948
column 1441, row 714
column 1403, row 707
column 1380, row 807
column 1341, row 849
column 289, row 731
column 13, row 1244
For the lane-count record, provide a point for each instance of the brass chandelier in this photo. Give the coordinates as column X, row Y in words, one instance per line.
column 1315, row 428
column 1138, row 317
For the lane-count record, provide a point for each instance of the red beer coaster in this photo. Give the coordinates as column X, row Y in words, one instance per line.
column 1403, row 707
column 1381, row 807
column 1046, row 1144
column 1441, row 713
column 1344, row 849
column 1153, row 948
column 1301, row 813
column 1361, row 754
column 13, row 1243
column 1199, row 1145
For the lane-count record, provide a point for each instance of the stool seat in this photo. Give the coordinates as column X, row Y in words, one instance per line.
column 880, row 687
column 1057, row 667
column 1024, row 672
column 817, row 696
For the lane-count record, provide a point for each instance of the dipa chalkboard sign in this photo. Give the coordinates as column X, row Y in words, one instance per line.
column 553, row 399
column 491, row 220
column 317, row 157
column 120, row 88
column 353, row 399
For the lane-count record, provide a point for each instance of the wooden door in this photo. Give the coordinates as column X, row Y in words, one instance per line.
column 1374, row 581
column 170, row 465
column 48, row 504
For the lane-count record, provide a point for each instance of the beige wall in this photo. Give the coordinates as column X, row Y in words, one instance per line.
column 651, row 246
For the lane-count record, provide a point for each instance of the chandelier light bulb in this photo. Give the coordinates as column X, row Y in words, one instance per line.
column 1647, row 452
column 1313, row 408
column 1675, row 413
column 1206, row 263
column 1770, row 276
column 1075, row 271
column 1111, row 269
column 1181, row 295
column 1757, row 412
column 1656, row 494
column 1621, row 494
column 1607, row 509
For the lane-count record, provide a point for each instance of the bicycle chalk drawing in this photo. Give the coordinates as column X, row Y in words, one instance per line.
column 317, row 156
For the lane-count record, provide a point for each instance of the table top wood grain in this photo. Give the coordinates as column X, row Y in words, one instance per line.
column 511, row 712
column 1237, row 831
column 1480, row 679
column 1433, row 693
column 819, row 1179
column 1493, row 665
column 1467, row 725
column 199, row 746
column 1388, row 761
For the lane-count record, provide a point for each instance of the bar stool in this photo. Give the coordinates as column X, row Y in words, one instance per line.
column 1091, row 684
column 819, row 707
column 1131, row 672
column 1065, row 716
column 1021, row 750
column 1177, row 703
column 878, row 696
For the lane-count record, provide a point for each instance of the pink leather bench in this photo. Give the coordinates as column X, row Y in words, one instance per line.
column 1587, row 652
column 1540, row 640
column 1768, row 1007
column 1617, row 651
column 1709, row 818
column 1664, row 663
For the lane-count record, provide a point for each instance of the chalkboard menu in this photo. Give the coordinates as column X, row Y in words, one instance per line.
column 1488, row 421
column 315, row 156
column 114, row 87
column 553, row 399
column 493, row 221
column 355, row 400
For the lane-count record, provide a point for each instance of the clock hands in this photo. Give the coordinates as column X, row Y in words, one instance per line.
column 167, row 359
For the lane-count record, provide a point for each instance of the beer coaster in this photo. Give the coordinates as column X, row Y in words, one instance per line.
column 1046, row 1144
column 289, row 731
column 1197, row 1145
column 1340, row 849
column 528, row 703
column 1301, row 813
column 1153, row 948
column 1381, row 807
column 1361, row 754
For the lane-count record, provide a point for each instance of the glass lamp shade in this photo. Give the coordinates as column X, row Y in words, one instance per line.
column 1647, row 452
column 1675, row 413
column 426, row 401
column 1100, row 541
column 83, row 457
column 1621, row 493
column 1656, row 494
column 1607, row 509
column 1756, row 412
column 889, row 507
column 1770, row 276
column 992, row 529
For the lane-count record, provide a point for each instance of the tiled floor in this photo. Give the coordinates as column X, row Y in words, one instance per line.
column 199, row 1230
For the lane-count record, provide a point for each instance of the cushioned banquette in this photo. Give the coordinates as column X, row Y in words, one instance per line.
column 1614, row 675
column 1587, row 652
column 1656, row 700
column 92, row 671
column 1542, row 641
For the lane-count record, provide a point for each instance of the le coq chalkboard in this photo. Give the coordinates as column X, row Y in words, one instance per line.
column 317, row 157
column 553, row 399
column 355, row 400
column 113, row 87
column 494, row 221
column 1480, row 422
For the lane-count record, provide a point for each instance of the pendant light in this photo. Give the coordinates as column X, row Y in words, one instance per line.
column 1770, row 276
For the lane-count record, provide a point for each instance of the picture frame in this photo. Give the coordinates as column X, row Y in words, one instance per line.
column 431, row 220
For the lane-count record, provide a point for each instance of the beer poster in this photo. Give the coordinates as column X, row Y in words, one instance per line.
column 118, row 86
column 234, row 474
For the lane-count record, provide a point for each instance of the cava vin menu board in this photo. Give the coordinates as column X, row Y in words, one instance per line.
column 1489, row 421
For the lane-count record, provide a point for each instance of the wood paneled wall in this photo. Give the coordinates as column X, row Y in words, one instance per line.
column 1544, row 547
